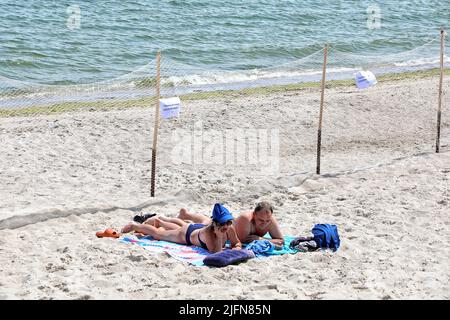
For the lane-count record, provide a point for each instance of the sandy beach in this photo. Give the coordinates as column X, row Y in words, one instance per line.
column 65, row 176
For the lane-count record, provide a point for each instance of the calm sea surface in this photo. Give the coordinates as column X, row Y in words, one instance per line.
column 74, row 42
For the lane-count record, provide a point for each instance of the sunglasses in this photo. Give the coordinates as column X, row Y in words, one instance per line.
column 228, row 223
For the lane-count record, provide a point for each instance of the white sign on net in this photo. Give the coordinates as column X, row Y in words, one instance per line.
column 365, row 79
column 170, row 107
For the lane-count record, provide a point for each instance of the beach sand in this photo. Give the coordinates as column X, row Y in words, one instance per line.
column 64, row 177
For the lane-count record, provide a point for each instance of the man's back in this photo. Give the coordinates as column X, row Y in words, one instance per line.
column 244, row 225
column 254, row 225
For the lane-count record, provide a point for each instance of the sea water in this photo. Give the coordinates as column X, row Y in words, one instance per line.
column 210, row 41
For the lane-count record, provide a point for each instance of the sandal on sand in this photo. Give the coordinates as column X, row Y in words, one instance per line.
column 108, row 233
column 140, row 218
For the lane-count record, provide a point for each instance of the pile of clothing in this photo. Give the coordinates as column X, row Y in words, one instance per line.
column 325, row 236
column 304, row 244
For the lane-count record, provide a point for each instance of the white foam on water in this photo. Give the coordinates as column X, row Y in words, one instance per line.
column 421, row 62
column 247, row 76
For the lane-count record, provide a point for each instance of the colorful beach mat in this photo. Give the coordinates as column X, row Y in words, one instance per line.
column 191, row 254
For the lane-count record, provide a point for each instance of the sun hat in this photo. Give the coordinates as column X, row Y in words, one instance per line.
column 221, row 214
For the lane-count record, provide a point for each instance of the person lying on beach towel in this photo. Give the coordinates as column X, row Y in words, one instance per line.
column 211, row 236
column 249, row 226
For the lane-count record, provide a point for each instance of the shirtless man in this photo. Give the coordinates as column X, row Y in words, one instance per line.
column 249, row 225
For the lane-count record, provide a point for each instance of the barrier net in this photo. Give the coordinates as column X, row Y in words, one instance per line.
column 72, row 146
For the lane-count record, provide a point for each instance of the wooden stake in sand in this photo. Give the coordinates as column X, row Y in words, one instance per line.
column 441, row 78
column 155, row 131
column 319, row 133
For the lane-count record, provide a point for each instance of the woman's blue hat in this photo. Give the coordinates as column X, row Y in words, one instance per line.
column 221, row 214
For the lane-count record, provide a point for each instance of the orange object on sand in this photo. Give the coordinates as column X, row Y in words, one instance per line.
column 108, row 233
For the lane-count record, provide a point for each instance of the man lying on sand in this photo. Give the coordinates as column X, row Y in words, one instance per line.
column 210, row 236
column 249, row 225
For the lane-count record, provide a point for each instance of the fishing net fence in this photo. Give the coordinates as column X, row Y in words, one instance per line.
column 94, row 141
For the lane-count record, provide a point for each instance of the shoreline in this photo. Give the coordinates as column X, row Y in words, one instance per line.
column 146, row 101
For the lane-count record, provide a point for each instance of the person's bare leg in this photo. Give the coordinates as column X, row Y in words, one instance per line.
column 176, row 236
column 160, row 222
column 197, row 218
column 133, row 226
column 176, row 221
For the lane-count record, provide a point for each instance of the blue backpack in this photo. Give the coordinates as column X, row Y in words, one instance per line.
column 326, row 236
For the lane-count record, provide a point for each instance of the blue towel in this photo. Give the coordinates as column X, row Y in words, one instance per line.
column 260, row 246
column 284, row 250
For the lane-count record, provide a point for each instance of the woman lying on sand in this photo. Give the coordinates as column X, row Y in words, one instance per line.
column 211, row 237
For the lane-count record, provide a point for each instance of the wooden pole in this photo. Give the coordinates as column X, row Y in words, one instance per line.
column 441, row 79
column 155, row 131
column 319, row 133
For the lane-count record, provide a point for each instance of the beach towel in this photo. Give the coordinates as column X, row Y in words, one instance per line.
column 191, row 254
column 227, row 257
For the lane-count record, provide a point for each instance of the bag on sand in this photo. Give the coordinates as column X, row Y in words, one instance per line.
column 326, row 236
column 227, row 257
